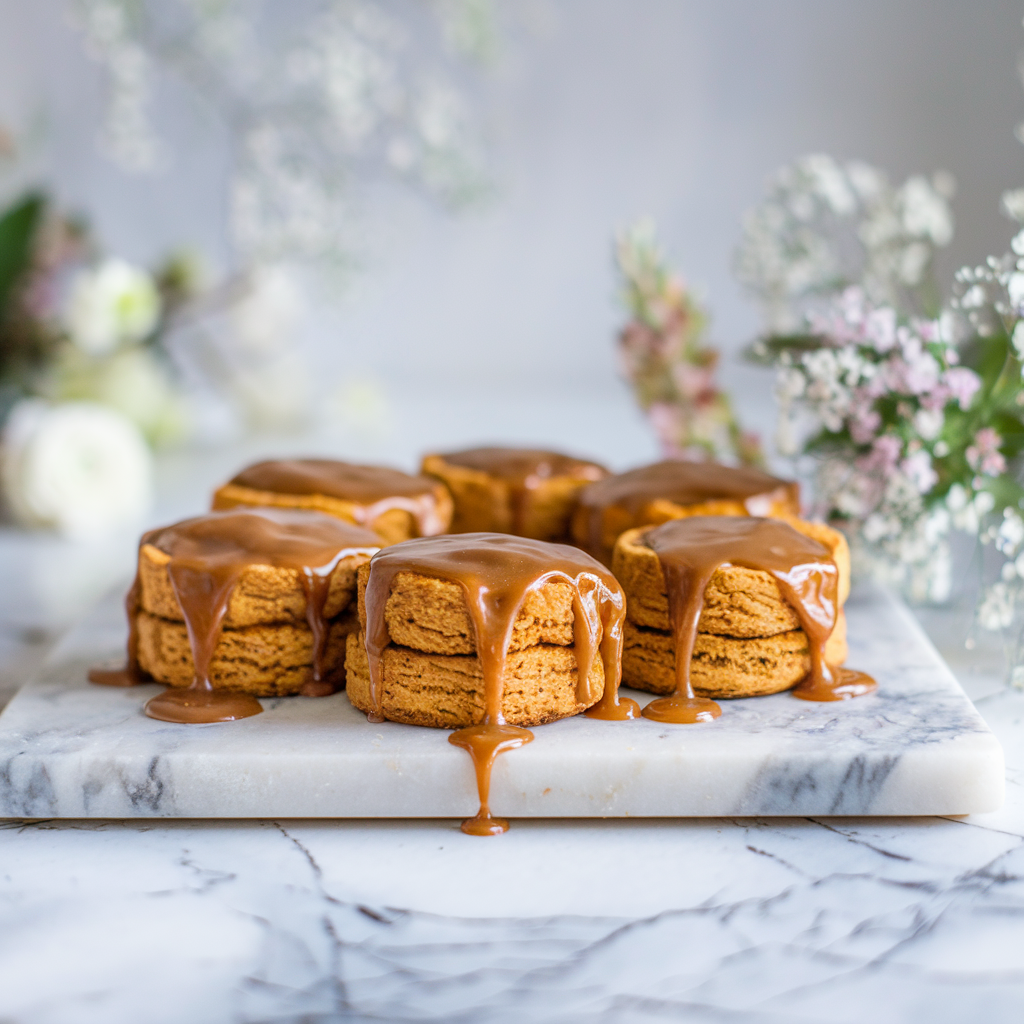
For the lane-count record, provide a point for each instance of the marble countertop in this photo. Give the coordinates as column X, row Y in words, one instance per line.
column 762, row 920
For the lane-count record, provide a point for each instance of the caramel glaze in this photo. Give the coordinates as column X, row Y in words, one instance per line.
column 208, row 555
column 373, row 489
column 690, row 550
column 683, row 483
column 496, row 571
column 523, row 470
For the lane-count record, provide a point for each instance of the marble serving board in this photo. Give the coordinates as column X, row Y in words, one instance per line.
column 918, row 747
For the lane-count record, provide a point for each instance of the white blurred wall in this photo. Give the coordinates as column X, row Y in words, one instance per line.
column 676, row 108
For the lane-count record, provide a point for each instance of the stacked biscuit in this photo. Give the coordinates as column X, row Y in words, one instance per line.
column 392, row 525
column 431, row 673
column 266, row 645
column 749, row 641
column 485, row 502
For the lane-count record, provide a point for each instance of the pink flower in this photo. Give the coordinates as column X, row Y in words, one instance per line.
column 884, row 455
column 963, row 384
column 984, row 456
column 918, row 469
column 864, row 423
column 880, row 328
column 695, row 383
column 667, row 420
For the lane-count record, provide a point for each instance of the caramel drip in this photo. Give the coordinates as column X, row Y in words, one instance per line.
column 523, row 470
column 207, row 558
column 374, row 490
column 316, row 586
column 683, row 483
column 691, row 550
column 496, row 572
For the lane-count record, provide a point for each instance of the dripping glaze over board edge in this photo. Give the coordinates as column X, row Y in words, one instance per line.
column 691, row 550
column 495, row 573
column 207, row 557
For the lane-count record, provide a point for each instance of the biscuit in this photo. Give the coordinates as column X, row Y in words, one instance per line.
column 263, row 595
column 447, row 691
column 431, row 615
column 339, row 496
column 486, row 502
column 738, row 602
column 264, row 660
column 723, row 666
column 601, row 516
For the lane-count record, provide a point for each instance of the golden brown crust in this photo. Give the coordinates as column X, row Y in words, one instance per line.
column 264, row 594
column 447, row 691
column 264, row 660
column 431, row 615
column 392, row 526
column 484, row 503
column 615, row 519
column 724, row 667
column 738, row 602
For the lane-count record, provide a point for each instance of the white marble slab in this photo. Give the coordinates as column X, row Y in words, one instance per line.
column 917, row 747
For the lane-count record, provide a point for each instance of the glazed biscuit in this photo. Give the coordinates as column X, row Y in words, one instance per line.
column 738, row 602
column 264, row 660
column 488, row 500
column 430, row 615
column 447, row 691
column 397, row 506
column 674, row 489
column 723, row 666
column 264, row 594
column 392, row 525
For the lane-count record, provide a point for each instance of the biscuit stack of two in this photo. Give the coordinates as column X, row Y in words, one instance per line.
column 431, row 673
column 266, row 645
column 749, row 641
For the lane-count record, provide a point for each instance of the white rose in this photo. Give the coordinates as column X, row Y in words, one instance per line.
column 79, row 468
column 112, row 305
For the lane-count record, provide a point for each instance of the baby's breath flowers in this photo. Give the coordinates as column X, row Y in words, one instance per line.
column 666, row 360
column 826, row 225
column 909, row 410
column 315, row 100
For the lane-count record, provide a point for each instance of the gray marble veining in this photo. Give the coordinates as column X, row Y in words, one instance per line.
column 71, row 750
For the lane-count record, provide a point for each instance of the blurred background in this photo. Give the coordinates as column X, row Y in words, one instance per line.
column 456, row 284
column 593, row 112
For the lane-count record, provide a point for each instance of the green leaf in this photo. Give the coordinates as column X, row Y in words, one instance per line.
column 18, row 226
column 766, row 351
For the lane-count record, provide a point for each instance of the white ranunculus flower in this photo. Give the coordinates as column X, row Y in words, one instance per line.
column 79, row 468
column 111, row 305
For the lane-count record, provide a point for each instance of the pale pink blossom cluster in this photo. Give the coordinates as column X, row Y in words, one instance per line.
column 871, row 402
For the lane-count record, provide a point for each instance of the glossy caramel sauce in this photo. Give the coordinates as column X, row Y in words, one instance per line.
column 208, row 555
column 683, row 483
column 524, row 470
column 374, row 490
column 691, row 550
column 496, row 571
